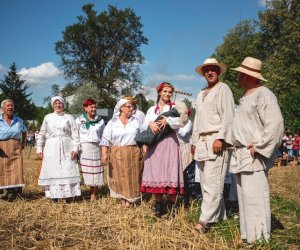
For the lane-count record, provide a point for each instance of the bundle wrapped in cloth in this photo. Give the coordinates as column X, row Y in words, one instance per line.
column 148, row 138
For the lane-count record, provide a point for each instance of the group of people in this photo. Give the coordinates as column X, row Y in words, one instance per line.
column 289, row 148
column 221, row 137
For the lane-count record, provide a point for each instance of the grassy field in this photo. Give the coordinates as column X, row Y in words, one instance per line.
column 35, row 222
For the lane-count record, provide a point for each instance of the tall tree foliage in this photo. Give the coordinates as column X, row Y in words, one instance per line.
column 105, row 50
column 275, row 39
column 241, row 41
column 280, row 30
column 54, row 92
column 16, row 89
column 87, row 90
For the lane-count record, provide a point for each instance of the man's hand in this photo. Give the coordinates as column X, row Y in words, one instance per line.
column 217, row 146
column 252, row 150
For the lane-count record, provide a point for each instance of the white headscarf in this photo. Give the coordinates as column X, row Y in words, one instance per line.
column 59, row 98
column 118, row 106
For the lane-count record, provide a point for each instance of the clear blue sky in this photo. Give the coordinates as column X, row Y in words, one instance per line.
column 181, row 33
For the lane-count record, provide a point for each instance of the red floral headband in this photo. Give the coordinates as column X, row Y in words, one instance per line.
column 162, row 85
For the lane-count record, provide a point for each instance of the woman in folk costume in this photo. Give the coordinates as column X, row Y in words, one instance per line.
column 58, row 145
column 163, row 172
column 12, row 143
column 125, row 157
column 91, row 128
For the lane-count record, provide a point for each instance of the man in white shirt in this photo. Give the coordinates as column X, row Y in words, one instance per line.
column 214, row 112
column 256, row 133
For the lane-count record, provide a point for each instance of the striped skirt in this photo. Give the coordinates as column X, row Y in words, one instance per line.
column 11, row 164
column 125, row 172
column 90, row 162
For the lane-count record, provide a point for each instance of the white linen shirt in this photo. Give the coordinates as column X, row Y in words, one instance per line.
column 55, row 125
column 117, row 134
column 214, row 112
column 258, row 121
column 93, row 134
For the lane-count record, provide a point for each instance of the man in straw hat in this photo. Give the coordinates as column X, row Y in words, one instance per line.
column 214, row 112
column 256, row 132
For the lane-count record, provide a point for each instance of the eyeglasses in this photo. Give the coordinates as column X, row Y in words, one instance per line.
column 208, row 69
column 129, row 106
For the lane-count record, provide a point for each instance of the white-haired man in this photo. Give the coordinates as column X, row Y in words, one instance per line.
column 256, row 132
column 214, row 112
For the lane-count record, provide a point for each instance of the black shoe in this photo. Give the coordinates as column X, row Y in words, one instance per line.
column 172, row 208
column 159, row 209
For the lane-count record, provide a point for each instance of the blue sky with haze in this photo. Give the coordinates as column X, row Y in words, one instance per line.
column 181, row 33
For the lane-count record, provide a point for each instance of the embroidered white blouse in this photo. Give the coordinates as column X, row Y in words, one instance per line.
column 55, row 125
column 117, row 134
column 93, row 133
column 151, row 116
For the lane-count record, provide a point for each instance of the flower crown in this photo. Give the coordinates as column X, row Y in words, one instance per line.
column 162, row 85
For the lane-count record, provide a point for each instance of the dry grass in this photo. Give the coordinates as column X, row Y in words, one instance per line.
column 39, row 223
column 285, row 182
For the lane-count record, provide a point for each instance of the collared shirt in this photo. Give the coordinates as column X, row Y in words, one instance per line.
column 117, row 134
column 58, row 126
column 12, row 131
column 93, row 133
column 151, row 115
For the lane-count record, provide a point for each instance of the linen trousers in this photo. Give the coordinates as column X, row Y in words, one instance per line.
column 212, row 176
column 254, row 205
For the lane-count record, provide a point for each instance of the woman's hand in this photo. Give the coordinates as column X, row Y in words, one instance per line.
column 144, row 149
column 104, row 158
column 40, row 155
column 154, row 127
column 162, row 123
column 74, row 155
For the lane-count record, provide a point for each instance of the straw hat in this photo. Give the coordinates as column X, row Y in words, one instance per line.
column 213, row 62
column 252, row 67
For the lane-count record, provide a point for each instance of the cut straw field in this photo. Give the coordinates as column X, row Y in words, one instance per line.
column 35, row 222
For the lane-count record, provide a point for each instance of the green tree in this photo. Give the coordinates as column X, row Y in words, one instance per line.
column 54, row 92
column 104, row 50
column 280, row 31
column 291, row 108
column 142, row 102
column 87, row 90
column 14, row 88
column 40, row 114
column 241, row 41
